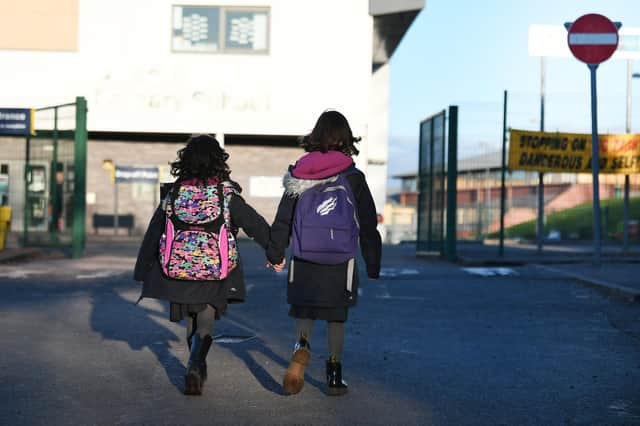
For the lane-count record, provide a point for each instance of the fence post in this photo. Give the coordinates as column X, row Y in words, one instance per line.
column 502, row 177
column 27, row 207
column 53, row 226
column 452, row 178
column 540, row 221
column 80, row 178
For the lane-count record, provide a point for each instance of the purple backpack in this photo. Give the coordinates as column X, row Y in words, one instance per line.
column 325, row 223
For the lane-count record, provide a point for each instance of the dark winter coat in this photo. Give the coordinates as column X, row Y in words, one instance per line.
column 316, row 285
column 216, row 293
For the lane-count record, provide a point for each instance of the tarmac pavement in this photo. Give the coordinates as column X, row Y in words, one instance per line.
column 617, row 274
column 430, row 343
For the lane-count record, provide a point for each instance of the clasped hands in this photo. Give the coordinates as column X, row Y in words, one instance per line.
column 279, row 267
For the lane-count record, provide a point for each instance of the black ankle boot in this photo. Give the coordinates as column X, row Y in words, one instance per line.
column 197, row 366
column 335, row 385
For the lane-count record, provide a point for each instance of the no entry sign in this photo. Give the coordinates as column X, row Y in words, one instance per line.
column 593, row 38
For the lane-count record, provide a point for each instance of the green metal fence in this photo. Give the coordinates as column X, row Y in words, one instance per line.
column 437, row 175
column 55, row 177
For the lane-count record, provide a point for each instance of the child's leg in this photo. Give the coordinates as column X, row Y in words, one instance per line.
column 335, row 385
column 202, row 322
column 293, row 380
column 304, row 328
column 200, row 341
column 336, row 339
column 205, row 321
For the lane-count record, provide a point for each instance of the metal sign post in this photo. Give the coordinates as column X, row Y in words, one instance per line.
column 592, row 39
column 595, row 167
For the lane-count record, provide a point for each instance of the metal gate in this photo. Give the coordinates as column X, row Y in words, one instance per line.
column 437, row 176
column 431, row 178
column 55, row 177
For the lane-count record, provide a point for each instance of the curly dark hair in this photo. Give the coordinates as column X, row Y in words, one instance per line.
column 202, row 158
column 331, row 132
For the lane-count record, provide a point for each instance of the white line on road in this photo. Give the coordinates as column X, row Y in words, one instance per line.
column 389, row 297
column 19, row 274
column 490, row 272
column 385, row 295
column 394, row 272
column 242, row 326
column 99, row 274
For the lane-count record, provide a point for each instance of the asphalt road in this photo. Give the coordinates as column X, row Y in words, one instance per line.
column 429, row 343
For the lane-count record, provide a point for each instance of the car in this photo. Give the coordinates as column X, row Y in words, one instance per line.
column 554, row 235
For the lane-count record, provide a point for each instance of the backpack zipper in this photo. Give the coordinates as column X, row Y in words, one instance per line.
column 331, row 230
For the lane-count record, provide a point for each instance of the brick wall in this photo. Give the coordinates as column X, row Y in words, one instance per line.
column 139, row 199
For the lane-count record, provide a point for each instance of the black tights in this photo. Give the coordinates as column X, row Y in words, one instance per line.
column 304, row 328
column 202, row 322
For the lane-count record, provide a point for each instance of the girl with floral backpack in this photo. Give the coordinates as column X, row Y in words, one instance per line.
column 189, row 255
column 326, row 213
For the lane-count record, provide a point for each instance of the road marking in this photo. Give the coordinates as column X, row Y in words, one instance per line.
column 237, row 324
column 99, row 274
column 395, row 272
column 19, row 274
column 389, row 297
column 490, row 272
column 385, row 295
column 622, row 408
column 225, row 338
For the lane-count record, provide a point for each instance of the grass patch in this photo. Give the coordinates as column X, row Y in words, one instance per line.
column 577, row 222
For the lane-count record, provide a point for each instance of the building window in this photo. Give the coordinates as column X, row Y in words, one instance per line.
column 220, row 29
column 409, row 185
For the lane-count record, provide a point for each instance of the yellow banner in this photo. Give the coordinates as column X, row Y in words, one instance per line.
column 571, row 152
column 32, row 128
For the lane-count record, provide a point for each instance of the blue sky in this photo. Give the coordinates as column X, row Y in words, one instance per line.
column 467, row 52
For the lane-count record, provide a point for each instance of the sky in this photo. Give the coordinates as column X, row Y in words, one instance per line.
column 467, row 52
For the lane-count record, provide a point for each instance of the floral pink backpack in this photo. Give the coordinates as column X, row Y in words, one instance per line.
column 197, row 243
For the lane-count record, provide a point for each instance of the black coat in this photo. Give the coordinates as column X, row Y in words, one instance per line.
column 216, row 293
column 311, row 284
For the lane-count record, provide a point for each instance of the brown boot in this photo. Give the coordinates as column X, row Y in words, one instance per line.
column 294, row 377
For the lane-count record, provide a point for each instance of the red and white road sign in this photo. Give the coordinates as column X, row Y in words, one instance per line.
column 593, row 38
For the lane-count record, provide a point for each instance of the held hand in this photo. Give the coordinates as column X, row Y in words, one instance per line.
column 279, row 267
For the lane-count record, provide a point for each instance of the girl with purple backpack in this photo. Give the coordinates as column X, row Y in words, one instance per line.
column 189, row 254
column 327, row 212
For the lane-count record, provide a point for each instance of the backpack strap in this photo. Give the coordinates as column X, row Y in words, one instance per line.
column 352, row 170
column 171, row 197
column 220, row 190
column 228, row 190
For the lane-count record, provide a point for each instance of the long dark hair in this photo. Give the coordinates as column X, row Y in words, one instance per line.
column 202, row 158
column 331, row 132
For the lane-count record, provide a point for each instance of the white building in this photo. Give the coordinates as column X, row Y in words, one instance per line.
column 255, row 73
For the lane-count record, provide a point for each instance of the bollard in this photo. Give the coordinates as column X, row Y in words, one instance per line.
column 5, row 222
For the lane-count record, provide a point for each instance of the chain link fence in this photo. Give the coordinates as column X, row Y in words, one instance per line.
column 479, row 178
